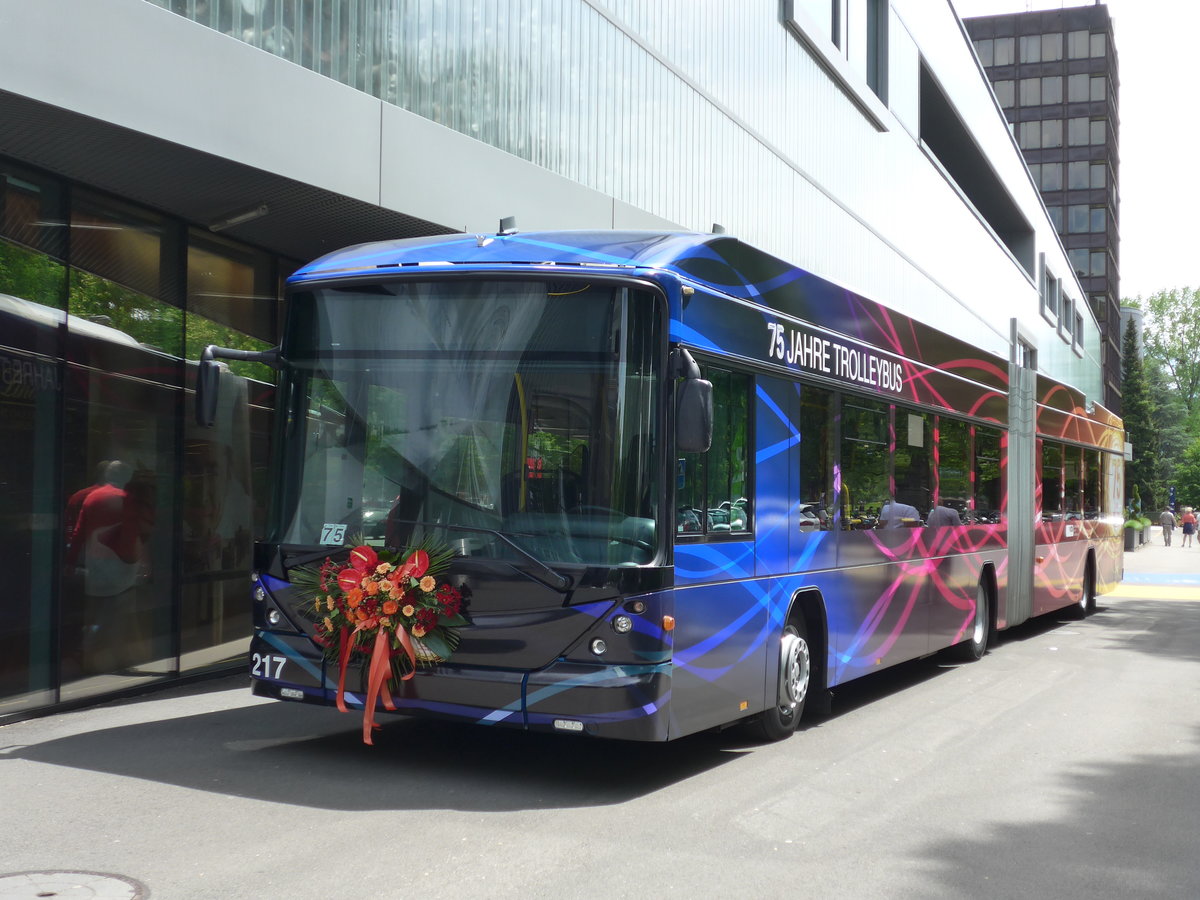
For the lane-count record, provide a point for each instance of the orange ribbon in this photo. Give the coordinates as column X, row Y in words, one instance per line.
column 378, row 675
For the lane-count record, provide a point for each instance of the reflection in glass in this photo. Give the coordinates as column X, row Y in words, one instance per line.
column 865, row 462
column 521, row 409
column 816, row 463
column 1052, row 481
column 986, row 474
column 953, row 473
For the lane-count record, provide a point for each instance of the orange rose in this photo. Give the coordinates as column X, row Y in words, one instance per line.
column 408, row 610
column 372, row 588
column 390, row 607
column 427, row 584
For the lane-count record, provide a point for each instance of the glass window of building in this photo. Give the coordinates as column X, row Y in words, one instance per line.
column 1052, row 47
column 1098, row 219
column 983, row 49
column 33, row 290
column 1098, row 46
column 1077, row 219
column 1052, row 133
column 1031, row 92
column 1099, row 87
column 1098, row 262
column 1098, row 175
column 1031, row 48
column 1078, row 132
column 1002, row 53
column 1031, row 135
column 1078, row 88
column 1078, row 175
column 1079, row 261
column 1099, row 132
column 1078, row 44
column 1056, row 217
column 1052, row 89
column 1051, row 177
column 1004, row 93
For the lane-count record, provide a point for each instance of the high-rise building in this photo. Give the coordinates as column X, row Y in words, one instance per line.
column 1054, row 73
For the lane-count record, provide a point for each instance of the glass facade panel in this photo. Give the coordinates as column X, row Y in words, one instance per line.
column 1031, row 135
column 1052, row 135
column 1004, row 93
column 128, row 528
column 1031, row 48
column 1052, row 89
column 1078, row 46
column 1078, row 88
column 1099, row 46
column 1099, row 87
column 983, row 49
column 1077, row 132
column 1099, row 262
column 1098, row 175
column 1051, row 177
column 1031, row 92
column 1098, row 129
column 1098, row 220
column 1078, row 175
column 1052, row 47
column 1056, row 217
column 1003, row 50
column 1077, row 219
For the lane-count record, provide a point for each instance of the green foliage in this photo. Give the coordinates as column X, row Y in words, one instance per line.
column 31, row 276
column 1173, row 337
column 1142, row 475
column 1187, row 476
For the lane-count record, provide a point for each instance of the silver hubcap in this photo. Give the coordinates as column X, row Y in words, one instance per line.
column 980, row 616
column 794, row 665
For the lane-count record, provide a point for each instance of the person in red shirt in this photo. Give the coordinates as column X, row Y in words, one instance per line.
column 1188, row 521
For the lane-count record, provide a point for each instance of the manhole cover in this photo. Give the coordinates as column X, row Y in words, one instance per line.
column 70, row 886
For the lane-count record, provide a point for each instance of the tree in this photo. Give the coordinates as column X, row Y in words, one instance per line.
column 1141, row 427
column 1173, row 337
column 1187, row 477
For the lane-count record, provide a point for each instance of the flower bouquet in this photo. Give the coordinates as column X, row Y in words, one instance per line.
column 388, row 606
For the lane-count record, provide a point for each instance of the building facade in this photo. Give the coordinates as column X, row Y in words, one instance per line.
column 1055, row 75
column 157, row 186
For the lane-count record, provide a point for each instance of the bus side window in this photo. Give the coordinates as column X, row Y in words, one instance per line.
column 713, row 488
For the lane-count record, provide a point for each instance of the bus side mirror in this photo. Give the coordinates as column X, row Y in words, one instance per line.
column 693, row 405
column 208, row 376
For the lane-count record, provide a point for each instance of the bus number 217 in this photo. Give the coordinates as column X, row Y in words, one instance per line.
column 262, row 663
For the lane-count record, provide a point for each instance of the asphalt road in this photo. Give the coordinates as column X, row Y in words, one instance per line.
column 1062, row 765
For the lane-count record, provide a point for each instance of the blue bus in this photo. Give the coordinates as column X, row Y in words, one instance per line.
column 682, row 484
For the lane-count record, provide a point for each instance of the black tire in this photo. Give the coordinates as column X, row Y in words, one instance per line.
column 791, row 685
column 1087, row 600
column 976, row 643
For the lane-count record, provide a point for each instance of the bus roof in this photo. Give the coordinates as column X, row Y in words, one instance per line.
column 620, row 249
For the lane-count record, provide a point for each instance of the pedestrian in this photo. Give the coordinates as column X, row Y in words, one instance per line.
column 1167, row 521
column 1188, row 521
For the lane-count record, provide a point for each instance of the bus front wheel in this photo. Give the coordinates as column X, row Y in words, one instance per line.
column 795, row 672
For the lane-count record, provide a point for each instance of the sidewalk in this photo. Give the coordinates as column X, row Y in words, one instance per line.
column 1160, row 572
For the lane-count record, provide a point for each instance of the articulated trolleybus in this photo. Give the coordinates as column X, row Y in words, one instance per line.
column 684, row 484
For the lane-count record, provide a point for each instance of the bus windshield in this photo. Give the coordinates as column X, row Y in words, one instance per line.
column 484, row 413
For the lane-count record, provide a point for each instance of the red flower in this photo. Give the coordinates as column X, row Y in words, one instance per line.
column 364, row 559
column 427, row 618
column 349, row 579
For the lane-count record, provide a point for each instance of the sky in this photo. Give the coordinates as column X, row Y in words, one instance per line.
column 1159, row 136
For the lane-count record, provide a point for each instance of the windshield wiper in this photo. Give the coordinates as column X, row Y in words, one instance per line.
column 554, row 579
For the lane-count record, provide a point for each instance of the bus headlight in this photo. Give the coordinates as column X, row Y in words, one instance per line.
column 622, row 624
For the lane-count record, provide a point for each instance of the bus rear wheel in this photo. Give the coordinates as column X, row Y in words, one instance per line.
column 795, row 672
column 1087, row 599
column 976, row 644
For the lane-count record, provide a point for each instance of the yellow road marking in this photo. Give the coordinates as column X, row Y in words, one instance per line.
column 1154, row 592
